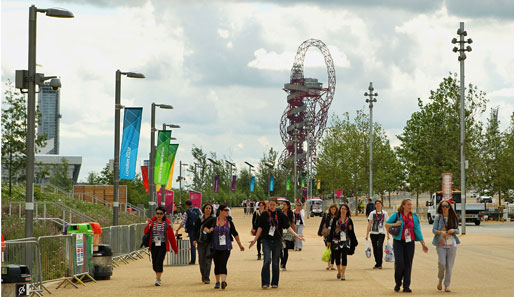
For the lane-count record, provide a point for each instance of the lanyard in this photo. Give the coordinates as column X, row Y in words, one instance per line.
column 408, row 221
column 219, row 226
column 270, row 218
column 345, row 223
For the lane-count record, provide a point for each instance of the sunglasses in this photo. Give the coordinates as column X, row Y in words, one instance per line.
column 226, row 209
column 445, row 206
column 159, row 213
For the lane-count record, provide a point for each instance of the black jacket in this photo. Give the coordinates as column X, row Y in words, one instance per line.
column 350, row 232
column 198, row 226
column 369, row 208
column 325, row 220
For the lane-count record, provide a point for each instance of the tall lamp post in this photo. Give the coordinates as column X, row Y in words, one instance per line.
column 29, row 79
column 214, row 181
column 180, row 178
column 250, row 167
column 372, row 98
column 232, row 165
column 270, row 167
column 163, row 187
column 151, row 183
column 461, row 58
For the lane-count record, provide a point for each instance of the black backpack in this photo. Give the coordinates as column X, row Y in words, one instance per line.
column 193, row 214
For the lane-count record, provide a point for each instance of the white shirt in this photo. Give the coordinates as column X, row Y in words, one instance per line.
column 378, row 227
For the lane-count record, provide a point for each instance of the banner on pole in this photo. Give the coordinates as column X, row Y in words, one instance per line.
column 252, row 184
column 144, row 174
column 196, row 198
column 271, row 183
column 288, row 183
column 170, row 178
column 216, row 183
column 339, row 193
column 168, row 200
column 234, row 177
column 303, row 181
column 130, row 142
column 164, row 157
column 319, row 184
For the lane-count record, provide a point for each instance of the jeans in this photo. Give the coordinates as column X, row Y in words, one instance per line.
column 377, row 241
column 445, row 263
column 204, row 261
column 403, row 257
column 193, row 249
column 298, row 244
column 271, row 250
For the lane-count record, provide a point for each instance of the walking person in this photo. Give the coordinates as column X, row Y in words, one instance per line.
column 271, row 224
column 342, row 240
column 202, row 241
column 369, row 207
column 222, row 230
column 255, row 226
column 189, row 219
column 287, row 237
column 446, row 228
column 324, row 230
column 161, row 237
column 299, row 218
column 403, row 245
column 376, row 227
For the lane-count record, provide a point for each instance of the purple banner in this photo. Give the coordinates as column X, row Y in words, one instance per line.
column 216, row 183
column 234, row 177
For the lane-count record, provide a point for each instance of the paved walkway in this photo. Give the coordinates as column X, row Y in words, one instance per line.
column 483, row 267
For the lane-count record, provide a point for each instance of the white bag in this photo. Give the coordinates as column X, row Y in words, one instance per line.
column 368, row 250
column 388, row 252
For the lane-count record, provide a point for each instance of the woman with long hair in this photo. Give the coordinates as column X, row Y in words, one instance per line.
column 222, row 230
column 324, row 230
column 255, row 225
column 342, row 239
column 403, row 245
column 161, row 238
column 446, row 228
column 287, row 237
column 203, row 242
column 299, row 218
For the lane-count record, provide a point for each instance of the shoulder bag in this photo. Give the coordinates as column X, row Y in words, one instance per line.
column 394, row 231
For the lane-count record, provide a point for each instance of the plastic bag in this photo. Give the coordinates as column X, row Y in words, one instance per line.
column 388, row 252
column 325, row 257
column 368, row 250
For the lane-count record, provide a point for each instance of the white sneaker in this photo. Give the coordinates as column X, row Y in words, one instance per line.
column 157, row 283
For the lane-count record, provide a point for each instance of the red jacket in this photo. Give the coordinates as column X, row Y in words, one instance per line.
column 170, row 236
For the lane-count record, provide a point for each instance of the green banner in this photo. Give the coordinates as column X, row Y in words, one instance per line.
column 288, row 184
column 303, row 181
column 164, row 156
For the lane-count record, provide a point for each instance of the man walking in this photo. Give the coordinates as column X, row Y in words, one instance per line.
column 188, row 222
column 369, row 207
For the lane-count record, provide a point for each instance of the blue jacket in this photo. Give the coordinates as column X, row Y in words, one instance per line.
column 418, row 236
column 438, row 226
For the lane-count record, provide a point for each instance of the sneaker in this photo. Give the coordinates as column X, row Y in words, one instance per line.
column 258, row 257
column 397, row 288
column 157, row 283
column 274, row 286
column 223, row 285
column 299, row 250
column 217, row 285
column 447, row 289
column 206, row 281
column 407, row 290
column 338, row 276
column 265, row 287
column 343, row 278
column 332, row 268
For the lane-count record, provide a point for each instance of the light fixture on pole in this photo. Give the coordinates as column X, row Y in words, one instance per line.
column 462, row 56
column 232, row 165
column 214, row 180
column 163, row 187
column 270, row 167
column 151, row 183
column 372, row 98
column 250, row 167
column 180, row 178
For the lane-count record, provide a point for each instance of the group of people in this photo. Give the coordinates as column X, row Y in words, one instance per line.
column 248, row 206
column 278, row 230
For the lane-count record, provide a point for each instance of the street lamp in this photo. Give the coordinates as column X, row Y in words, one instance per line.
column 116, row 165
column 250, row 167
column 214, row 182
column 151, row 183
column 163, row 187
column 461, row 58
column 232, row 165
column 29, row 79
column 372, row 98
column 180, row 178
column 270, row 167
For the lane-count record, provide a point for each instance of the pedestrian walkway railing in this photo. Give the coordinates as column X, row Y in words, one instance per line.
column 125, row 241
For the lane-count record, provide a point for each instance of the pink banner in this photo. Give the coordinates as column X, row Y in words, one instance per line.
column 196, row 198
column 168, row 201
column 339, row 193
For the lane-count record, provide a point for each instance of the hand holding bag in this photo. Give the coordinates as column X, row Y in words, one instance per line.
column 389, row 254
column 325, row 257
column 394, row 231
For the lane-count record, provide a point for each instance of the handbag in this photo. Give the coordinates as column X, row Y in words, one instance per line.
column 145, row 241
column 394, row 231
column 389, row 253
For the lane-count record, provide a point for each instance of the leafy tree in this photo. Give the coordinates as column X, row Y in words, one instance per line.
column 486, row 175
column 505, row 181
column 59, row 176
column 14, row 134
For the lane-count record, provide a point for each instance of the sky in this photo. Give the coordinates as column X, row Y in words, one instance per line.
column 222, row 65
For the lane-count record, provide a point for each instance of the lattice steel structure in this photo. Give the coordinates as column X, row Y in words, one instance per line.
column 306, row 114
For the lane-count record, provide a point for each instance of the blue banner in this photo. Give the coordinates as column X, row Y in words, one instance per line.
column 130, row 142
column 271, row 183
column 252, row 184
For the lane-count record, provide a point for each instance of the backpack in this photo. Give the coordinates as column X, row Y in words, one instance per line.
column 193, row 214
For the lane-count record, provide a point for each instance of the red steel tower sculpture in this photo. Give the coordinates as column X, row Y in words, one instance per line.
column 305, row 116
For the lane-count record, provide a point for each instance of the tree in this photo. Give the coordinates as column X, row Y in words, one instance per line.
column 505, row 181
column 14, row 134
column 487, row 172
column 430, row 142
column 59, row 176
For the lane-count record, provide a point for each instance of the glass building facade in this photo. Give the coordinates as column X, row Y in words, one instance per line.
column 48, row 104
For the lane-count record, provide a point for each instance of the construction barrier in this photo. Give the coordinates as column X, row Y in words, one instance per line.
column 182, row 257
column 26, row 251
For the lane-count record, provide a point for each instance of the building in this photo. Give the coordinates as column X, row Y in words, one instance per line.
column 48, row 162
column 48, row 104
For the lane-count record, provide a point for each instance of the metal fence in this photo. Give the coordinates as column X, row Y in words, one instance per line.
column 124, row 240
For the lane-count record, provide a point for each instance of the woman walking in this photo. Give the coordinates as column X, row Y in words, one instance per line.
column 446, row 228
column 403, row 245
column 376, row 226
column 255, row 225
column 342, row 240
column 160, row 238
column 202, row 241
column 324, row 230
column 299, row 217
column 222, row 230
column 287, row 237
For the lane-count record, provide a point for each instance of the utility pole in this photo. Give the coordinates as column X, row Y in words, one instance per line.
column 372, row 98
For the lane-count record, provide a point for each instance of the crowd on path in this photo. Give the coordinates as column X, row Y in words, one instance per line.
column 212, row 231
